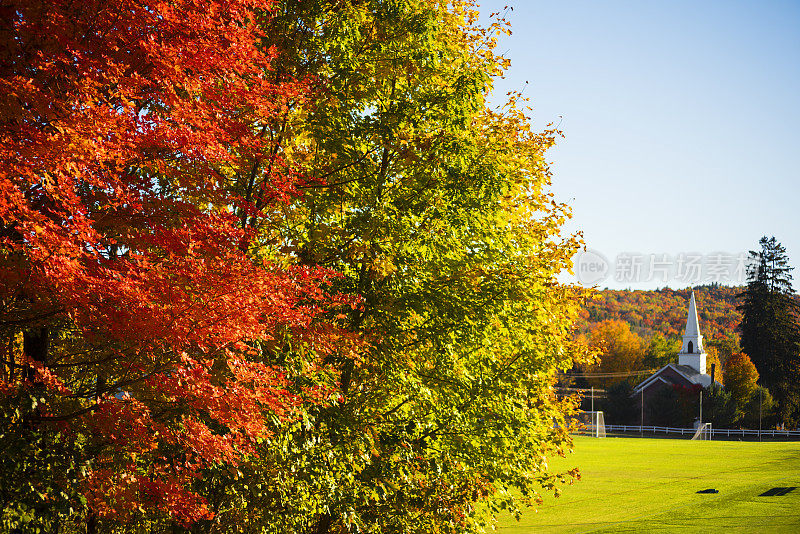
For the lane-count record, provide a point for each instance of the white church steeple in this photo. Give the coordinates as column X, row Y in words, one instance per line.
column 692, row 352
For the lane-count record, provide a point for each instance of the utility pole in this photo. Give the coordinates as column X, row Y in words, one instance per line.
column 641, row 426
column 701, row 407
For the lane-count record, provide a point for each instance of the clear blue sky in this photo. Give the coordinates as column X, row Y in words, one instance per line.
column 682, row 120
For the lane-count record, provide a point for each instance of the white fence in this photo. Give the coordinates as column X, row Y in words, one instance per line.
column 715, row 432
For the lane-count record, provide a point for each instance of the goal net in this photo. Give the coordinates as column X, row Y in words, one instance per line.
column 599, row 425
column 703, row 432
column 595, row 424
column 587, row 423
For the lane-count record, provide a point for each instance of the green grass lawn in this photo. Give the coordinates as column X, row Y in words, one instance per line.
column 650, row 485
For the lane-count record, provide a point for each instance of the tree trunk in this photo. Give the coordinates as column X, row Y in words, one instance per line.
column 36, row 345
column 323, row 526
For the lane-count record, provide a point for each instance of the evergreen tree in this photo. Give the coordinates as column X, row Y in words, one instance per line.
column 770, row 329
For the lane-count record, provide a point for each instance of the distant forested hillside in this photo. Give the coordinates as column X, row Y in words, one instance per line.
column 664, row 311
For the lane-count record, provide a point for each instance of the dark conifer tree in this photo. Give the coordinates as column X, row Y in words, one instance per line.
column 770, row 327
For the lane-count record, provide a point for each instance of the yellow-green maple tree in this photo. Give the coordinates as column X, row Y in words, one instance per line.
column 436, row 210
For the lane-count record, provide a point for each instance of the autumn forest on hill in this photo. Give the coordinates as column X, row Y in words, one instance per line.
column 651, row 323
column 663, row 311
column 634, row 333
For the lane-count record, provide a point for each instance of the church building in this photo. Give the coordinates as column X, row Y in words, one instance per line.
column 690, row 369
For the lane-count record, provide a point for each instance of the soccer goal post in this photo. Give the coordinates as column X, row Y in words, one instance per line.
column 597, row 425
column 703, row 432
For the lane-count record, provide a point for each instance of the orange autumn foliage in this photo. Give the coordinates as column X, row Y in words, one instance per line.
column 741, row 377
column 620, row 351
column 129, row 300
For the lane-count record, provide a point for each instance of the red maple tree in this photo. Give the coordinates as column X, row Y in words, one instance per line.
column 129, row 299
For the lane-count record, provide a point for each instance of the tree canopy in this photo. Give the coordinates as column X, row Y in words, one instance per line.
column 273, row 266
column 620, row 353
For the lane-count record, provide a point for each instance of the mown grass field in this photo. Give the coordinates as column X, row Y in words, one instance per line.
column 650, row 485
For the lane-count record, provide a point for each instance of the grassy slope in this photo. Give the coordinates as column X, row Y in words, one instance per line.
column 650, row 485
